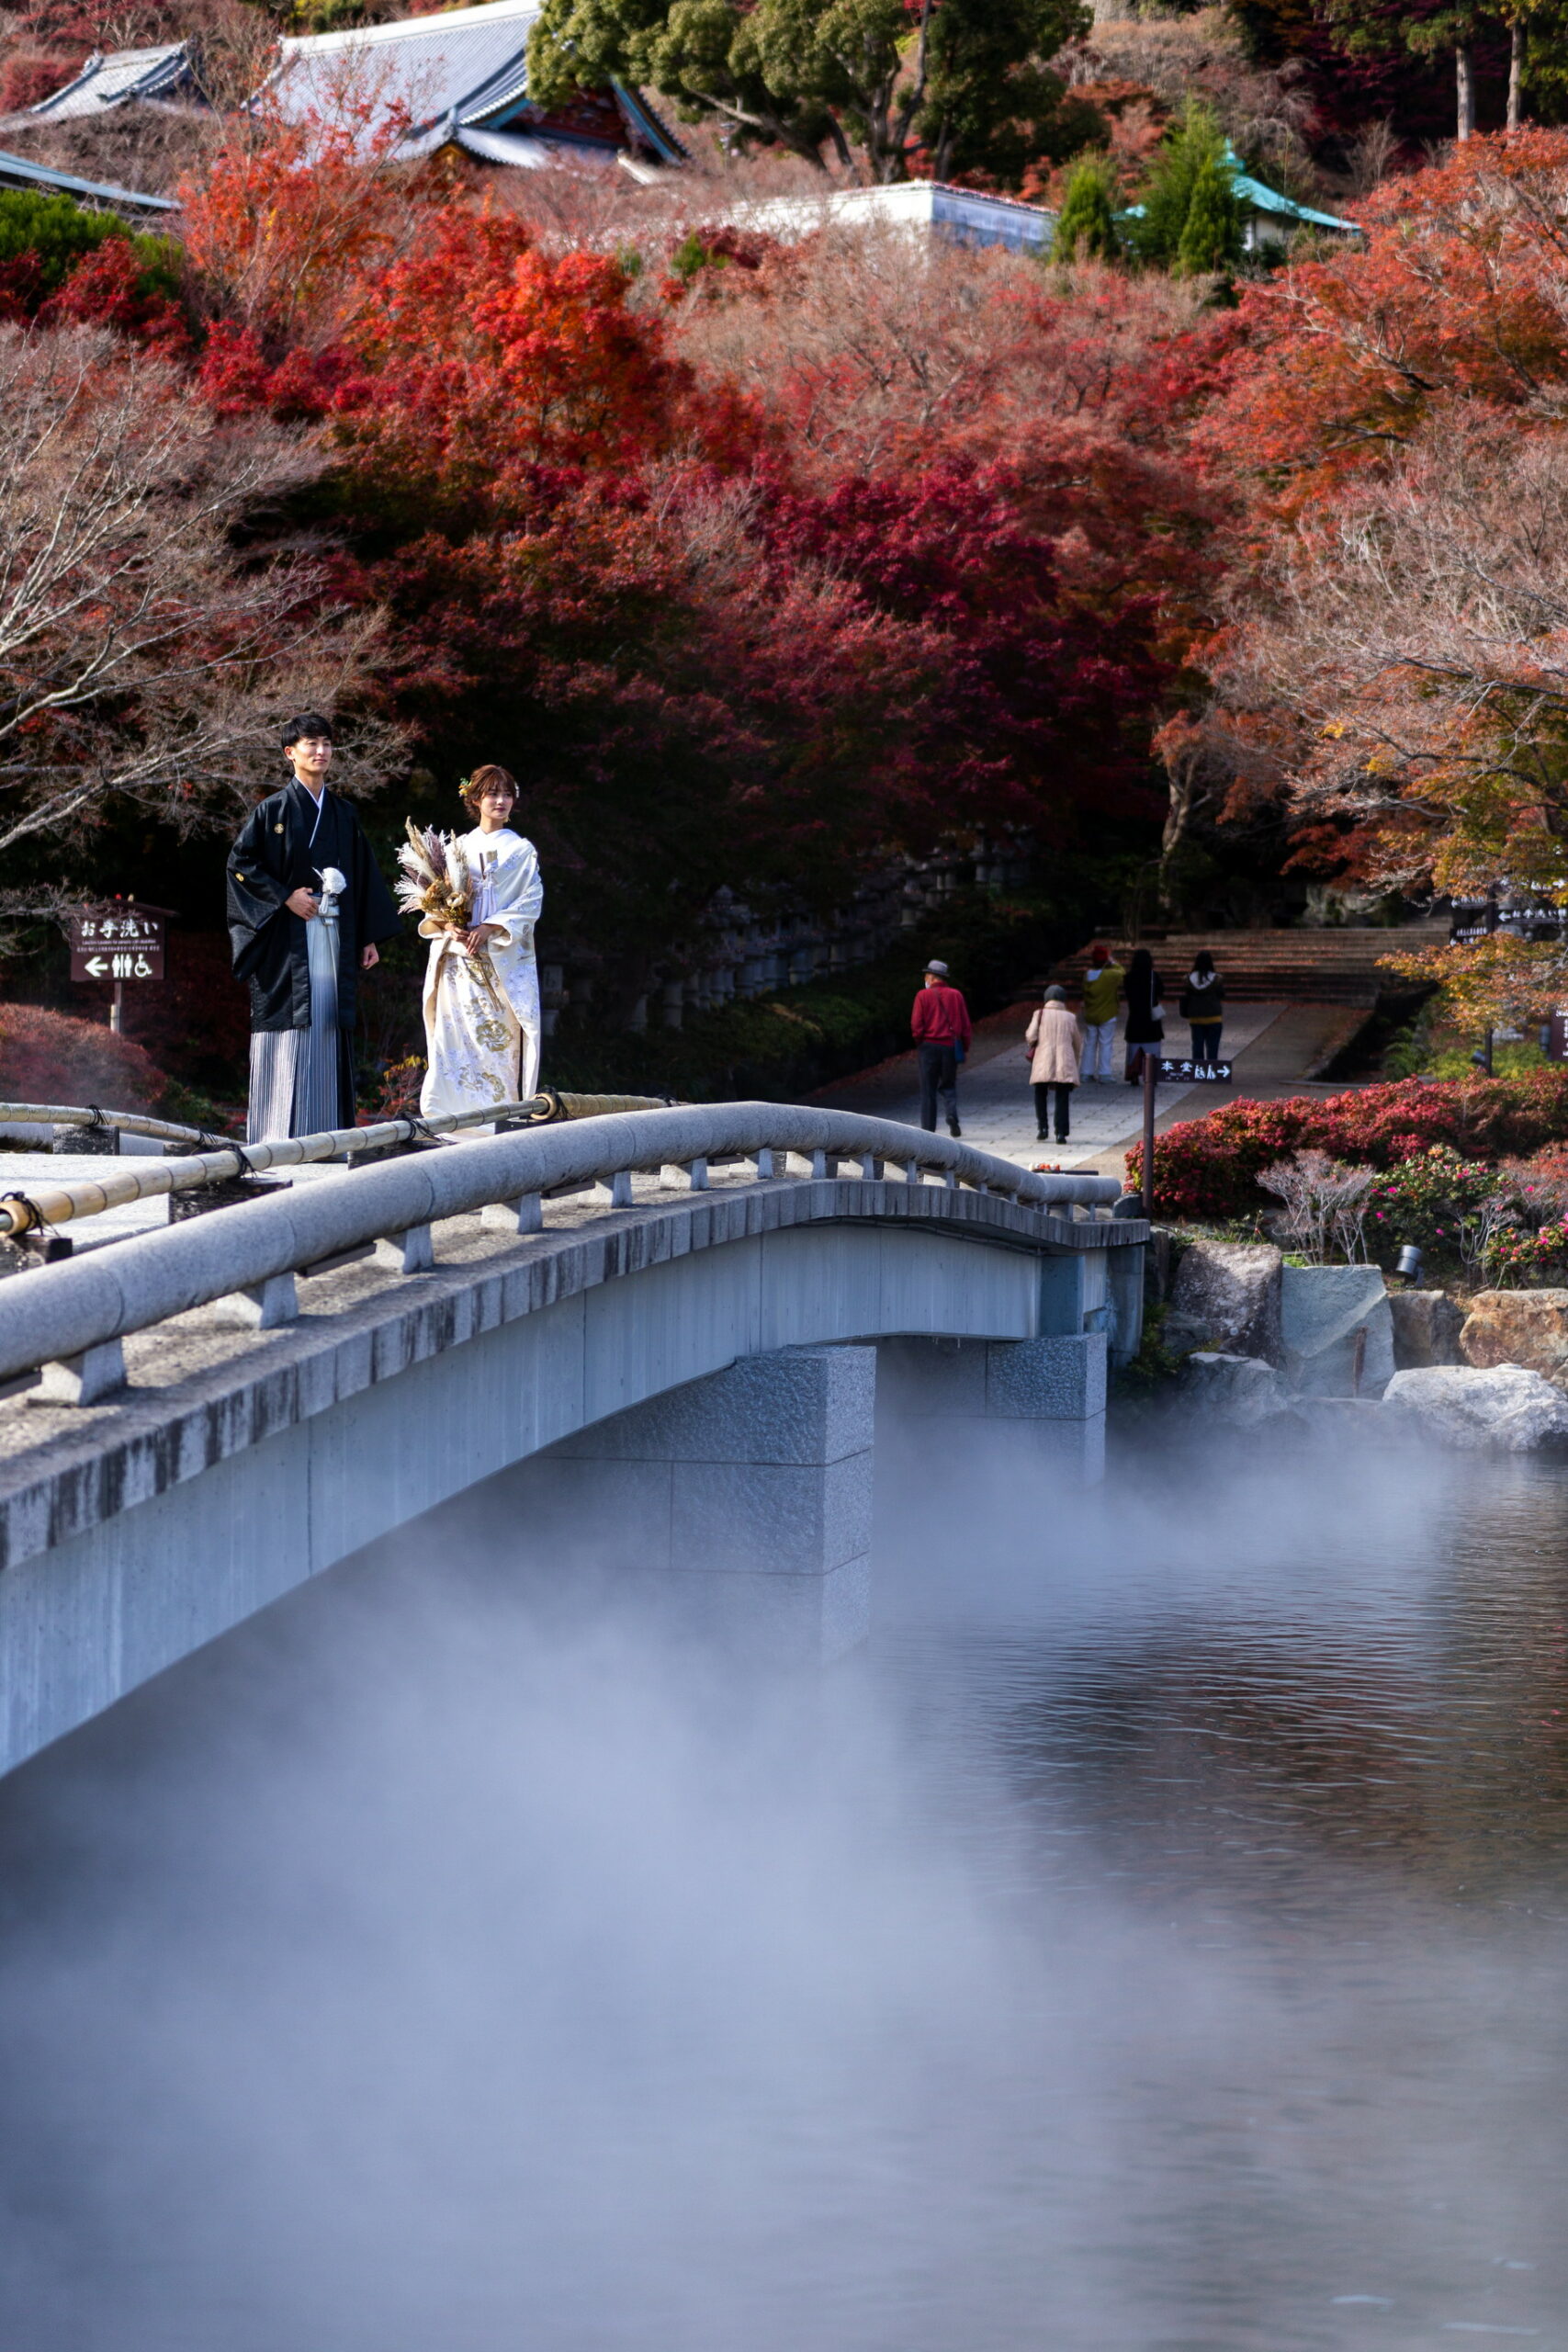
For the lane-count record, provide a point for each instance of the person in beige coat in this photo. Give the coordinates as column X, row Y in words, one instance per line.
column 1055, row 1042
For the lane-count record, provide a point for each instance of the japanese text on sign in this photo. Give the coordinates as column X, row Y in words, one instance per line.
column 116, row 943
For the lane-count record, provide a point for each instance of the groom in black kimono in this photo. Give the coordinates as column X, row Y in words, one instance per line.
column 301, row 942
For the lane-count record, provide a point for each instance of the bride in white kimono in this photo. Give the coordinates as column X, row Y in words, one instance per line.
column 481, row 986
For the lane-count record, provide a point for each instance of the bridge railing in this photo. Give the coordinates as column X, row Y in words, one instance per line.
column 213, row 1162
column 69, row 1319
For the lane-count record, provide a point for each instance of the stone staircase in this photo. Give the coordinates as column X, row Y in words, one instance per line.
column 1339, row 967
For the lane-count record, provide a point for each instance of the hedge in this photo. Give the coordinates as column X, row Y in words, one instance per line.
column 47, row 1056
column 1209, row 1168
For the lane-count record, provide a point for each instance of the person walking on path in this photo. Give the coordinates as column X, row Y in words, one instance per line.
column 1056, row 1042
column 1101, row 989
column 1145, row 1008
column 941, row 1030
column 1203, row 1006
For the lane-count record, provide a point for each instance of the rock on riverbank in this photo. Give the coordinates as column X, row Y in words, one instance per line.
column 1507, row 1407
column 1522, row 1327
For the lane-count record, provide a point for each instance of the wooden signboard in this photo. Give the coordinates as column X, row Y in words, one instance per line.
column 116, row 943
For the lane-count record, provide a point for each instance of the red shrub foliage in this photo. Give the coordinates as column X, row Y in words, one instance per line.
column 35, row 74
column 1209, row 1168
column 108, row 289
column 49, row 1057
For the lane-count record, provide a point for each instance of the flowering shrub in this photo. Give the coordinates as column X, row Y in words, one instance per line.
column 1522, row 1255
column 1454, row 1206
column 1209, row 1168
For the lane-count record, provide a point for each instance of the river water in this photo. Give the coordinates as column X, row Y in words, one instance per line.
column 1158, row 1942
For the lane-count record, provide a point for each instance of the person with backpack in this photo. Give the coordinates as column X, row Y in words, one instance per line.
column 1202, row 1007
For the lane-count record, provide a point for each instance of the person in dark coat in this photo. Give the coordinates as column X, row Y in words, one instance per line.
column 306, row 907
column 1145, row 1005
column 1203, row 1008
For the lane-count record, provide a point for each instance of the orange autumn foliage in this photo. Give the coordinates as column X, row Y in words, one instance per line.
column 492, row 359
column 290, row 227
column 1457, row 293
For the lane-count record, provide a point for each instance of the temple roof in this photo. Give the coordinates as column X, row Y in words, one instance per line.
column 20, row 171
column 464, row 71
column 469, row 64
column 114, row 80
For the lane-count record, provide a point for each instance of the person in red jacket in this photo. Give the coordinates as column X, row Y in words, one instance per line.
column 941, row 1030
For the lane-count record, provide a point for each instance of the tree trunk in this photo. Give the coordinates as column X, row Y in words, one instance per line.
column 1464, row 77
column 1181, row 779
column 1516, row 72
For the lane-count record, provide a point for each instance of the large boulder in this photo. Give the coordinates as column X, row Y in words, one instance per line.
column 1427, row 1327
column 1459, row 1404
column 1526, row 1327
column 1225, row 1299
column 1337, row 1331
column 1238, row 1391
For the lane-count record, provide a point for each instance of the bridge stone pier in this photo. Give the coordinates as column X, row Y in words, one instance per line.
column 649, row 1345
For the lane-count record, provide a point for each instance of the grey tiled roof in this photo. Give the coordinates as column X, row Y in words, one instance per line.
column 472, row 62
column 113, row 80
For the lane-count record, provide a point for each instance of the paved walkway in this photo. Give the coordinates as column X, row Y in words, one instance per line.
column 1271, row 1045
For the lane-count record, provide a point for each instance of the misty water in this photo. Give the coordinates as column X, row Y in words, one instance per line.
column 1158, row 1941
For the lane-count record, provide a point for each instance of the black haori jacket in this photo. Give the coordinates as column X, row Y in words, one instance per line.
column 275, row 856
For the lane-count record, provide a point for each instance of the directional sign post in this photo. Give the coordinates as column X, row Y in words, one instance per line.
column 117, row 944
column 1186, row 1073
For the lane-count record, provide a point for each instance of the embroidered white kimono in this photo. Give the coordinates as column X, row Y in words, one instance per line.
column 481, row 1011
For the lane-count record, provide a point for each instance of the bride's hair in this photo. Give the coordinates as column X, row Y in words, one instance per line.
column 486, row 779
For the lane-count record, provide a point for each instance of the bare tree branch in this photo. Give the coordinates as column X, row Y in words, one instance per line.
column 152, row 628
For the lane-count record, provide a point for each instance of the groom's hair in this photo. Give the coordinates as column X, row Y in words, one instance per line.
column 307, row 722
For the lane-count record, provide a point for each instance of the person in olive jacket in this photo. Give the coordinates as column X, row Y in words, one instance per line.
column 1203, row 1006
column 1102, row 991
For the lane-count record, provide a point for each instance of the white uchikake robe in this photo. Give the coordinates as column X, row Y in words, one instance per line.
column 481, row 1011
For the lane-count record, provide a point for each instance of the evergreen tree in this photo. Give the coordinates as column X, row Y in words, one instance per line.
column 56, row 235
column 1191, row 144
column 1211, row 235
column 866, row 81
column 1086, row 224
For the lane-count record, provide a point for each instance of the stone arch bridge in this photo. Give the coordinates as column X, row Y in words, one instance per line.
column 667, row 1326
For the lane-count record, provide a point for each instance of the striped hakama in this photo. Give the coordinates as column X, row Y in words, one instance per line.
column 296, row 1074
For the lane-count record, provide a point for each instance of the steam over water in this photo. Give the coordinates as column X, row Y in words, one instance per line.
column 1160, row 1942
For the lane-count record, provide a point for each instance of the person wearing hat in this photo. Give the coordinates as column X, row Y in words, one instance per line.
column 941, row 1030
column 1055, row 1042
column 1101, row 993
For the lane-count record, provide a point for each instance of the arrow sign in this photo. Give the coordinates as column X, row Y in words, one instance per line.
column 116, row 941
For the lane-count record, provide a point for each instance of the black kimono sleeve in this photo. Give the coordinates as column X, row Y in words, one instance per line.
column 257, row 892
